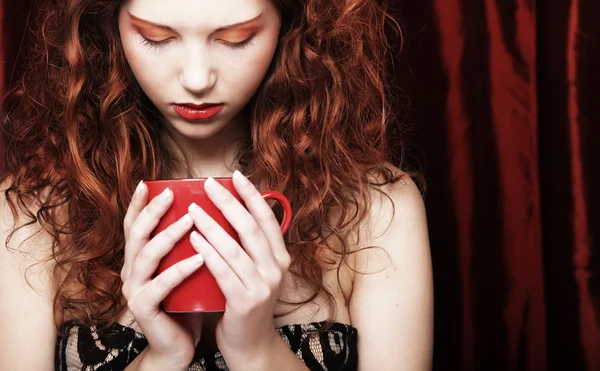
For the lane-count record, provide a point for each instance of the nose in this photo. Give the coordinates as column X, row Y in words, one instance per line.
column 197, row 75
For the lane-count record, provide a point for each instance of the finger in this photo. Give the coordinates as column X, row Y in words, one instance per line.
column 157, row 289
column 228, row 249
column 263, row 214
column 142, row 227
column 146, row 305
column 228, row 281
column 146, row 263
column 251, row 234
column 138, row 201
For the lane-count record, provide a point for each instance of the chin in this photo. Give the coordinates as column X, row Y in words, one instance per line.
column 197, row 130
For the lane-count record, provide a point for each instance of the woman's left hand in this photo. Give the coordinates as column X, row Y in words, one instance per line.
column 249, row 277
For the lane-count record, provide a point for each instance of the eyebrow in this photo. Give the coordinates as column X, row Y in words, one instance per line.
column 164, row 27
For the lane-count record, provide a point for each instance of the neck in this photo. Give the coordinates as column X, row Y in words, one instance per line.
column 214, row 156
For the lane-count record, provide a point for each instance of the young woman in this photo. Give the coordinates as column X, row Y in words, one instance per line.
column 291, row 93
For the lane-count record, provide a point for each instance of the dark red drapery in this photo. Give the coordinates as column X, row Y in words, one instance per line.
column 503, row 114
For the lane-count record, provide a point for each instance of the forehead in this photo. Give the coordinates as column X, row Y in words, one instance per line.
column 196, row 14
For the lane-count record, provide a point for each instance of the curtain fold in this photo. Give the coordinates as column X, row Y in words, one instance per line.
column 502, row 124
column 569, row 47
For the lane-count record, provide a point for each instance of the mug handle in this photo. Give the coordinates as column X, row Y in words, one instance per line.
column 287, row 209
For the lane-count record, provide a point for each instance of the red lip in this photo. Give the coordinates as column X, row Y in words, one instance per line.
column 194, row 112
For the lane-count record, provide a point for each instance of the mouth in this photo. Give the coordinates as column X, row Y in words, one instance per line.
column 197, row 112
column 198, row 106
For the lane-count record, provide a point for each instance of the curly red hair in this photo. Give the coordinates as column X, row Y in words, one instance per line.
column 80, row 133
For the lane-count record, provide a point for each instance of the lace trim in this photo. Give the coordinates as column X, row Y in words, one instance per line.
column 320, row 345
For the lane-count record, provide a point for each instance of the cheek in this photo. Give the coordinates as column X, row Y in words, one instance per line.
column 135, row 59
column 139, row 61
column 245, row 72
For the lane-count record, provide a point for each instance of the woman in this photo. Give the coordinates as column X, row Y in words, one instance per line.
column 290, row 93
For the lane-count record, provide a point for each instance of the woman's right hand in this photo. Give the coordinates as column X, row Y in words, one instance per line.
column 172, row 339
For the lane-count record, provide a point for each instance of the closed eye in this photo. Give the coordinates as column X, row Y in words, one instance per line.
column 239, row 45
column 154, row 44
column 242, row 44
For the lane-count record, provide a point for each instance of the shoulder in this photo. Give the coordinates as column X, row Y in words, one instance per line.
column 396, row 228
column 395, row 217
column 26, row 244
column 27, row 235
column 392, row 296
column 26, row 290
column 393, row 207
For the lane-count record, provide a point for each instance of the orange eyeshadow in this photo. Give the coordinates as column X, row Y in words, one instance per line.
column 236, row 35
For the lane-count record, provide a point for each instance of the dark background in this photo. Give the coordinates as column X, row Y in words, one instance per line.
column 499, row 99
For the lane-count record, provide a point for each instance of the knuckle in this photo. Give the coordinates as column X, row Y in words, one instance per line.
column 180, row 269
column 155, row 206
column 228, row 198
column 156, row 283
column 286, row 262
column 149, row 209
column 155, row 287
column 123, row 275
column 209, row 228
column 267, row 217
column 253, row 230
column 125, row 290
column 149, row 212
column 171, row 233
column 233, row 253
column 146, row 253
column 136, row 233
column 140, row 232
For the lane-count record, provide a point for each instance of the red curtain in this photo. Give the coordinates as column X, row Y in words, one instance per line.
column 15, row 17
column 500, row 116
column 502, row 120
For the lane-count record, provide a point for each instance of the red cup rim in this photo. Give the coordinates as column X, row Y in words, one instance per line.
column 185, row 179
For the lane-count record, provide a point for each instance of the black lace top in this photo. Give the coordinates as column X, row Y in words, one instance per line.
column 320, row 345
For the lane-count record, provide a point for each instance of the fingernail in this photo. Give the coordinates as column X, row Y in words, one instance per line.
column 195, row 236
column 186, row 220
column 210, row 184
column 194, row 209
column 197, row 259
column 166, row 194
column 140, row 187
column 240, row 177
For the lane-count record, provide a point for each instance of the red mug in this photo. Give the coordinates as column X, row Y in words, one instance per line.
column 199, row 292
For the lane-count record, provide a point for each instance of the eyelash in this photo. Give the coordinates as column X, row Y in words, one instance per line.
column 156, row 44
column 153, row 44
column 241, row 45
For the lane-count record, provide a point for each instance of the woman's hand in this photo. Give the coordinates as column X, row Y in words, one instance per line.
column 172, row 339
column 249, row 277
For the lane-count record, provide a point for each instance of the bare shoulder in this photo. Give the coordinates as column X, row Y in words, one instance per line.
column 392, row 297
column 29, row 241
column 394, row 204
column 395, row 232
column 26, row 292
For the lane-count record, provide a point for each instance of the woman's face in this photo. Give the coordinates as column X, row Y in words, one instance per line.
column 197, row 52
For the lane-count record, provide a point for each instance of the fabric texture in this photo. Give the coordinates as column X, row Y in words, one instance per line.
column 502, row 107
column 323, row 346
